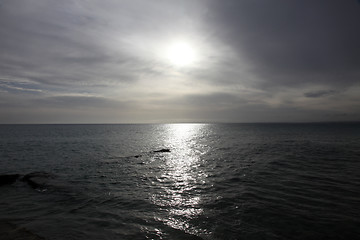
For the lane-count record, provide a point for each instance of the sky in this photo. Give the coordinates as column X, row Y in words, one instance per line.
column 159, row 61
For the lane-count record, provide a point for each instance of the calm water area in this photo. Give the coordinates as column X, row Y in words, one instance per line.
column 183, row 181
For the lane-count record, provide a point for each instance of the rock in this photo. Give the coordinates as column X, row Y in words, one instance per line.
column 9, row 231
column 37, row 180
column 8, row 179
column 162, row 150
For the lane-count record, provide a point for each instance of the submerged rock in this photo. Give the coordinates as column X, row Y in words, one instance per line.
column 162, row 150
column 37, row 180
column 8, row 178
column 9, row 231
column 40, row 181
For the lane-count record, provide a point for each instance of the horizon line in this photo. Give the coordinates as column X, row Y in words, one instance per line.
column 155, row 123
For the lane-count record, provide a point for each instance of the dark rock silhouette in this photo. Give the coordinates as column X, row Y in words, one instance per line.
column 40, row 181
column 8, row 178
column 162, row 150
column 37, row 180
column 10, row 231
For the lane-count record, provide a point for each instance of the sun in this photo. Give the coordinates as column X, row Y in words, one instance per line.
column 181, row 54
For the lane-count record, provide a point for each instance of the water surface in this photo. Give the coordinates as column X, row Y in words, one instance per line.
column 219, row 181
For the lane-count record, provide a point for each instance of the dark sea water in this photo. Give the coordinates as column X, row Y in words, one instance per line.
column 220, row 181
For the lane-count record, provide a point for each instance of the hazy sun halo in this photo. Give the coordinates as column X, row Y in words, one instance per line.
column 181, row 54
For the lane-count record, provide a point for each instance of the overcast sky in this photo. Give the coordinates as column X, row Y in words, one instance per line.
column 117, row 61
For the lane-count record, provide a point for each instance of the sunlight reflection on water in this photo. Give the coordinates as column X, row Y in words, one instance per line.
column 181, row 175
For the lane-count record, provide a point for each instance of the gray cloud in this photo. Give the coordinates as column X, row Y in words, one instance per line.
column 213, row 100
column 101, row 61
column 320, row 93
column 78, row 102
column 293, row 42
column 58, row 44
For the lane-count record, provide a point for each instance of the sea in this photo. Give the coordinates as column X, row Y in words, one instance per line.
column 183, row 181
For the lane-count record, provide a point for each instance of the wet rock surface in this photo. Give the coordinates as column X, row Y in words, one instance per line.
column 8, row 179
column 38, row 180
column 10, row 231
column 162, row 150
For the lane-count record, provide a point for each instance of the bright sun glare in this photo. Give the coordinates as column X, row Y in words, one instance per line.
column 181, row 54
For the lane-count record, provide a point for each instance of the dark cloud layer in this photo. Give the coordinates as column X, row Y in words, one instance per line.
column 293, row 42
column 320, row 93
